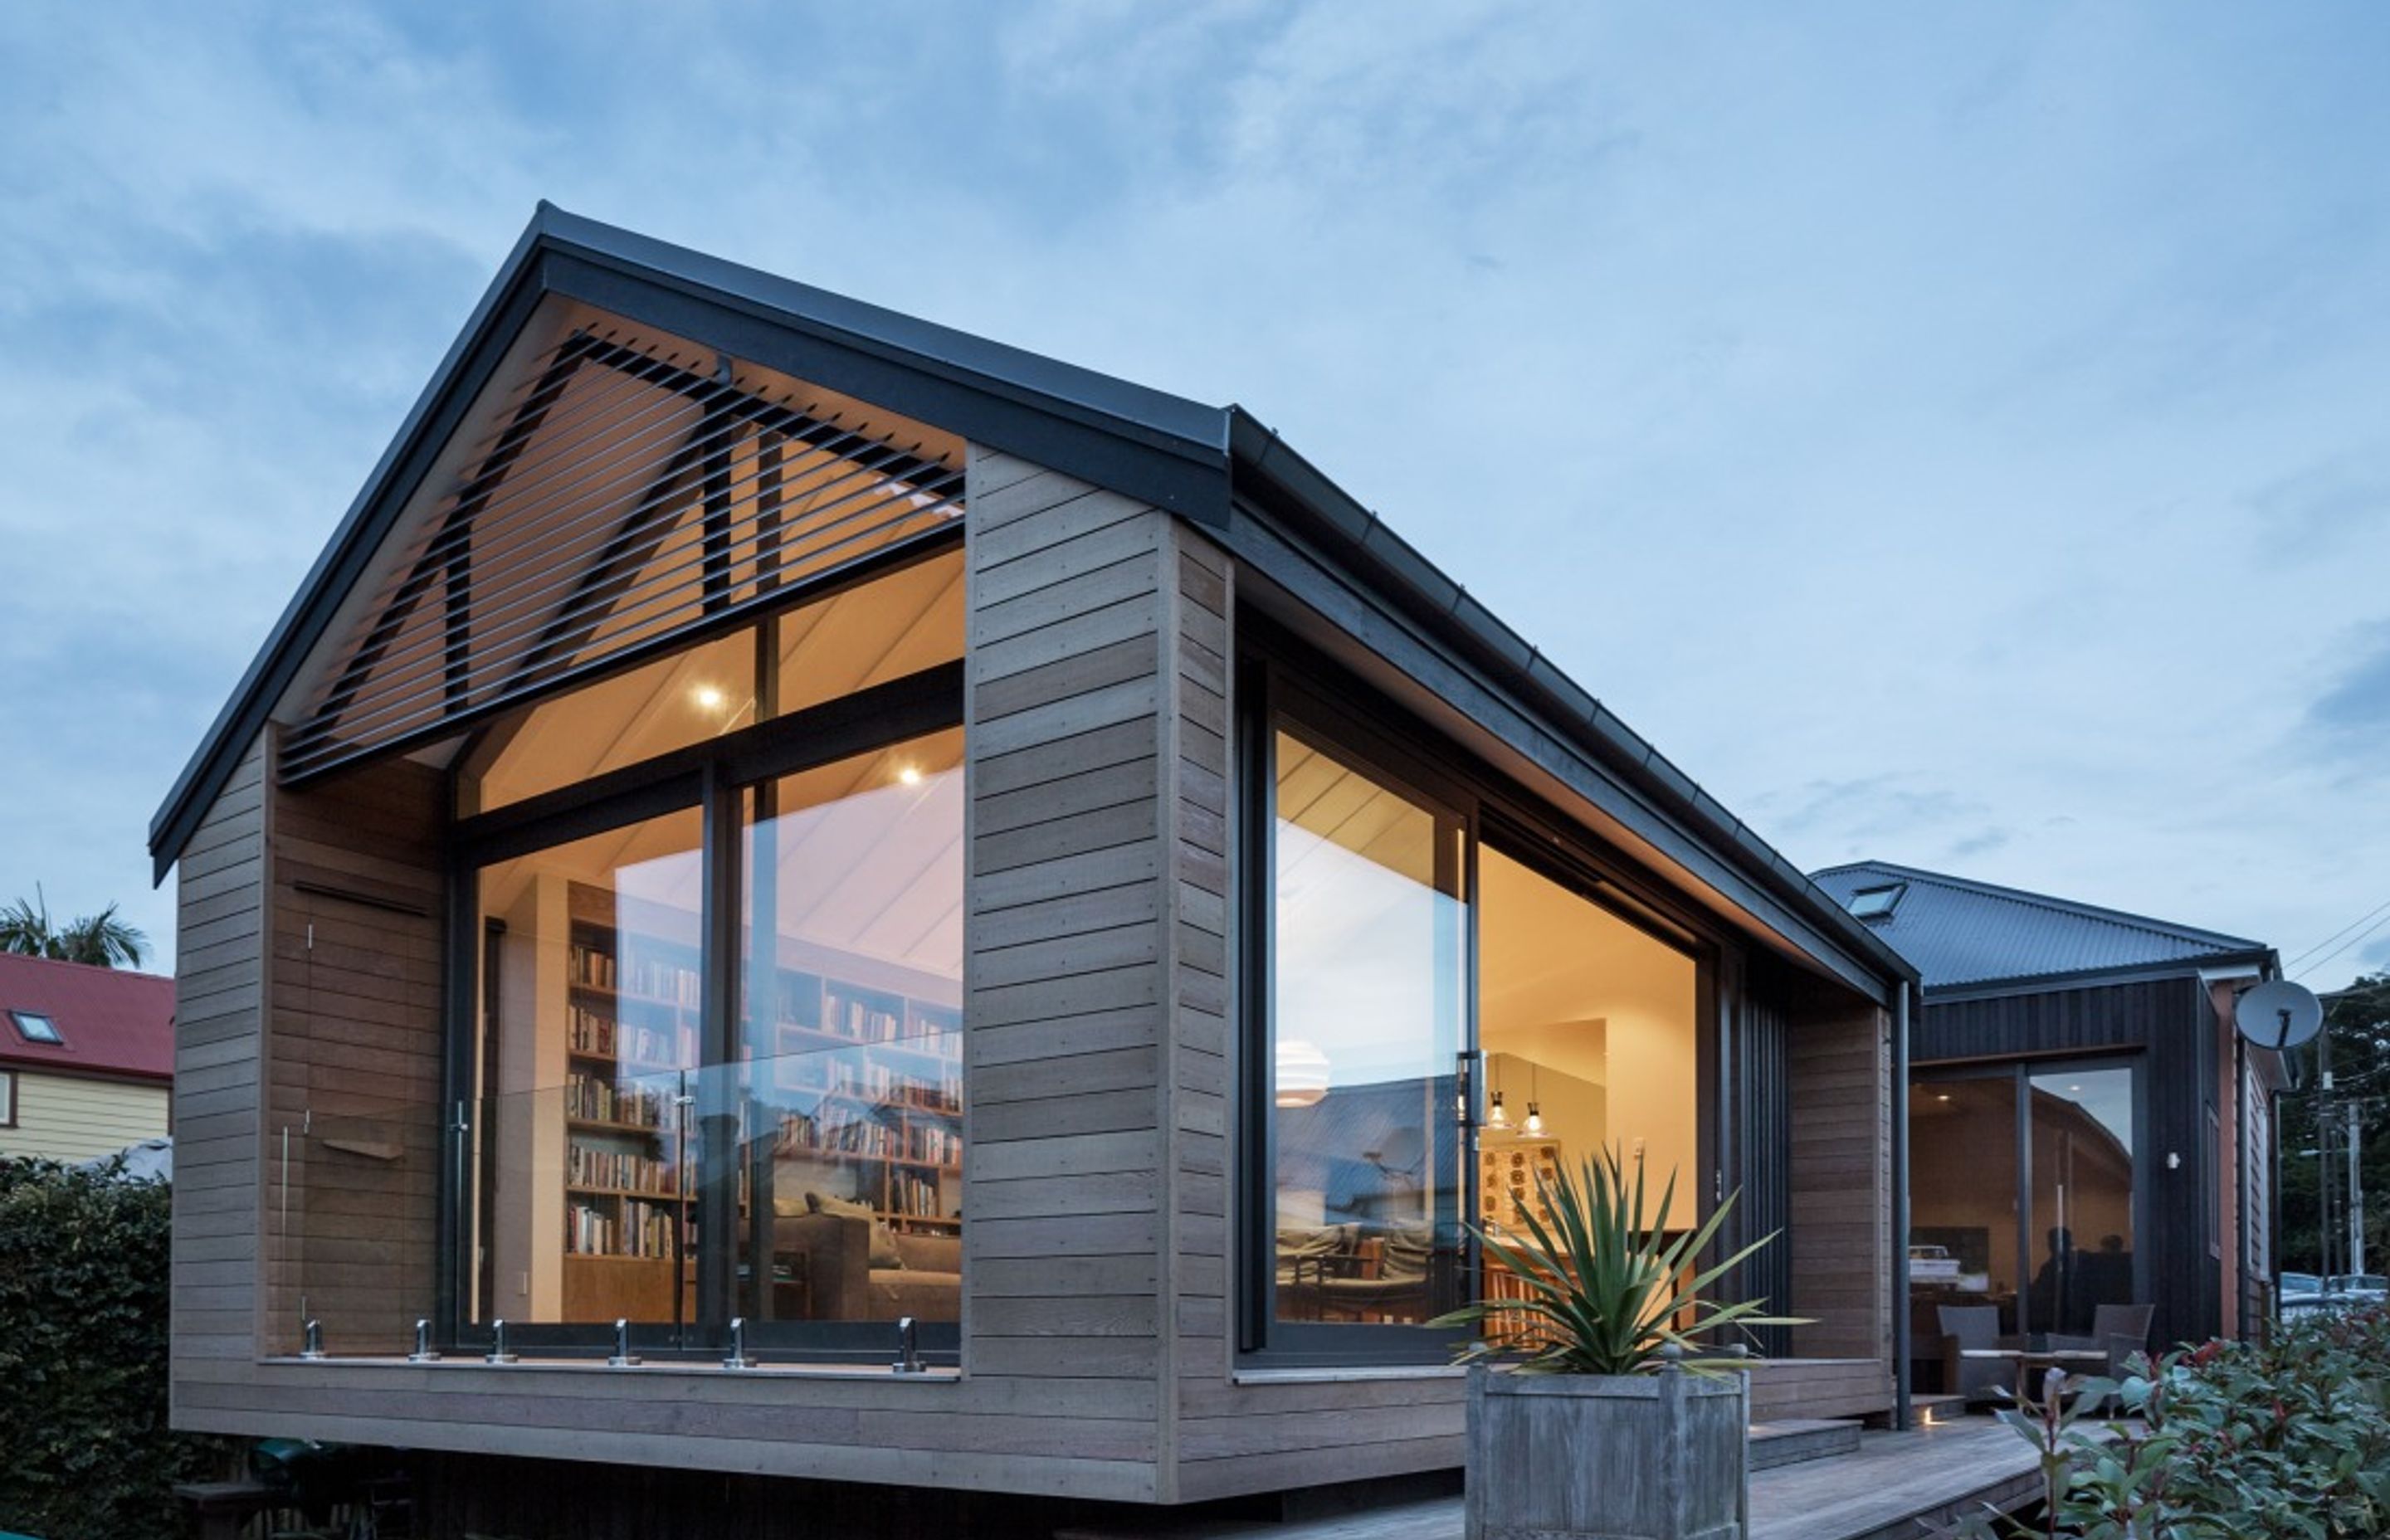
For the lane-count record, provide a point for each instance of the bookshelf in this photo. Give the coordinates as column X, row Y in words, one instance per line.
column 877, row 1077
column 866, row 1077
column 630, row 1028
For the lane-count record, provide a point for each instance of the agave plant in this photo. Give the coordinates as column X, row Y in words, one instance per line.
column 1606, row 1292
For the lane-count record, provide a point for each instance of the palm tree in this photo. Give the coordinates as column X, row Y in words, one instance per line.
column 101, row 940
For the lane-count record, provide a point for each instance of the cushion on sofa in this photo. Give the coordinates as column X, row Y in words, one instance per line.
column 883, row 1242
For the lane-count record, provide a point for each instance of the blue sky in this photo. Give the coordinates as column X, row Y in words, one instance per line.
column 1955, row 435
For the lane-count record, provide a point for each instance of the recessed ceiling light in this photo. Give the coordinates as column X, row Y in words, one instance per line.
column 1943, row 1097
column 708, row 698
column 910, row 774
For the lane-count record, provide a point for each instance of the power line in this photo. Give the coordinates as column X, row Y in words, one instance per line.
column 2349, row 943
column 2336, row 935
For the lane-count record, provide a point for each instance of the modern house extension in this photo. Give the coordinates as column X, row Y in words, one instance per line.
column 771, row 818
column 2086, row 1127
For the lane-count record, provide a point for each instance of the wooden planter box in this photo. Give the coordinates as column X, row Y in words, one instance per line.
column 1657, row 1456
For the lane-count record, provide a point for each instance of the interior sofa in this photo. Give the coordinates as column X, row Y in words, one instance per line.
column 845, row 1267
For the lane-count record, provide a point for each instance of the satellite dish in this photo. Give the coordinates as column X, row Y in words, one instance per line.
column 2278, row 1014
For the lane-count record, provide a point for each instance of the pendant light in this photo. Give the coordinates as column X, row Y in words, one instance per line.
column 1534, row 1123
column 1494, row 1116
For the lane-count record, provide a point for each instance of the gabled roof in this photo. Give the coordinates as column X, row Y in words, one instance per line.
column 1217, row 467
column 1963, row 933
column 115, row 1022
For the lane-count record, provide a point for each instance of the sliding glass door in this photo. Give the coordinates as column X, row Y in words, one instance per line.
column 2025, row 1194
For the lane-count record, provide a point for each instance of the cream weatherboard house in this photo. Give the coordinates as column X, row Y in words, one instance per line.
column 772, row 819
column 86, row 1059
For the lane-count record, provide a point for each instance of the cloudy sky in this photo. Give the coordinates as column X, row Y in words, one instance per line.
column 1957, row 435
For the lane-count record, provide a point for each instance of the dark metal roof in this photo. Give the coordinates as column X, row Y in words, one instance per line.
column 1176, row 454
column 1963, row 933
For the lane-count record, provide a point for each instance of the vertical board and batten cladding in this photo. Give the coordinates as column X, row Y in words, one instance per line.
column 1839, row 1091
column 219, row 997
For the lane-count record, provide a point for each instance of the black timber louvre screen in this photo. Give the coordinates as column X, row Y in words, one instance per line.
column 624, row 496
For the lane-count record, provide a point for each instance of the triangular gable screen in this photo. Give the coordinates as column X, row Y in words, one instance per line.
column 625, row 497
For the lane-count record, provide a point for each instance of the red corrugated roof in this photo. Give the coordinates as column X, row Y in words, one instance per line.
column 114, row 1022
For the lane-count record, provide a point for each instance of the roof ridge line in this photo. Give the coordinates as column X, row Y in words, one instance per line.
column 2149, row 924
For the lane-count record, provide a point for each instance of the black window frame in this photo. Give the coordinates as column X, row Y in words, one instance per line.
column 1283, row 678
column 714, row 777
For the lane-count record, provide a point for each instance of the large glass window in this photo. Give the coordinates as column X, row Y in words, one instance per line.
column 1588, row 1028
column 2023, row 1196
column 590, row 1020
column 718, row 1068
column 1368, row 1008
column 852, row 968
column 2082, row 1153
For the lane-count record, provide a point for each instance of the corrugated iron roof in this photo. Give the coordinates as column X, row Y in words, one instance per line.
column 1962, row 932
column 115, row 1022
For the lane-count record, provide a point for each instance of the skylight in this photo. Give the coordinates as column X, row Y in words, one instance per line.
column 35, row 1028
column 1877, row 902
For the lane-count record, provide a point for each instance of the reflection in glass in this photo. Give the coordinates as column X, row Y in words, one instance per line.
column 1589, row 1026
column 589, row 1013
column 853, row 994
column 2082, row 1197
column 1366, row 1018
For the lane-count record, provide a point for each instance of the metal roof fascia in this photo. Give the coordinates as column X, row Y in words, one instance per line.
column 2085, row 978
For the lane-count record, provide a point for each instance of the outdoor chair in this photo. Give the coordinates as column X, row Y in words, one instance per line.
column 2118, row 1330
column 1977, row 1360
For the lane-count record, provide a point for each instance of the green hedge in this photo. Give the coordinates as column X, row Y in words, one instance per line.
column 84, row 1454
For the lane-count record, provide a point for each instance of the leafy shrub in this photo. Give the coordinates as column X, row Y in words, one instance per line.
column 2231, row 1441
column 84, row 1454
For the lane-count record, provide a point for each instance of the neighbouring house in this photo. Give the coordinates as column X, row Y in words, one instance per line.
column 86, row 1059
column 771, row 818
column 2086, row 1126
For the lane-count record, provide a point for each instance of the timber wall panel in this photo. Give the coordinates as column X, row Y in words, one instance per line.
column 1839, row 1209
column 1065, row 1175
column 218, row 1001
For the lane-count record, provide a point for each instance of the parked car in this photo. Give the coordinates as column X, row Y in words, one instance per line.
column 2304, row 1293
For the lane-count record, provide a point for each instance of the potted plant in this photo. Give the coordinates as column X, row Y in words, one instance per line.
column 1593, row 1408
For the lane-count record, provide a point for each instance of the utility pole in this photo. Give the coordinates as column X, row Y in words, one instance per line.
column 2355, row 1194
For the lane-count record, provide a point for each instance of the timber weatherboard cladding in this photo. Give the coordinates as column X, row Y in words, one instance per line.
column 218, row 994
column 1838, row 1213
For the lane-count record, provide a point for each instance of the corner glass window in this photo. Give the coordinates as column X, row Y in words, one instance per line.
column 1368, row 1001
column 34, row 1027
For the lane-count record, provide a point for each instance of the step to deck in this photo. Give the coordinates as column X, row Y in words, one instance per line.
column 1790, row 1441
column 1933, row 1411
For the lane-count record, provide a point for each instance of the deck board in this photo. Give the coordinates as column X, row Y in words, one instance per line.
column 1883, row 1490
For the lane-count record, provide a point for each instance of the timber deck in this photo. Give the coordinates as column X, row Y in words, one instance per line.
column 1894, row 1487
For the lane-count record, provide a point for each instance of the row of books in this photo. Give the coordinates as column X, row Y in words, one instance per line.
column 832, row 1133
column 590, row 1166
column 642, row 1230
column 913, row 1195
column 926, row 1142
column 594, row 1031
column 653, row 978
column 603, row 1101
